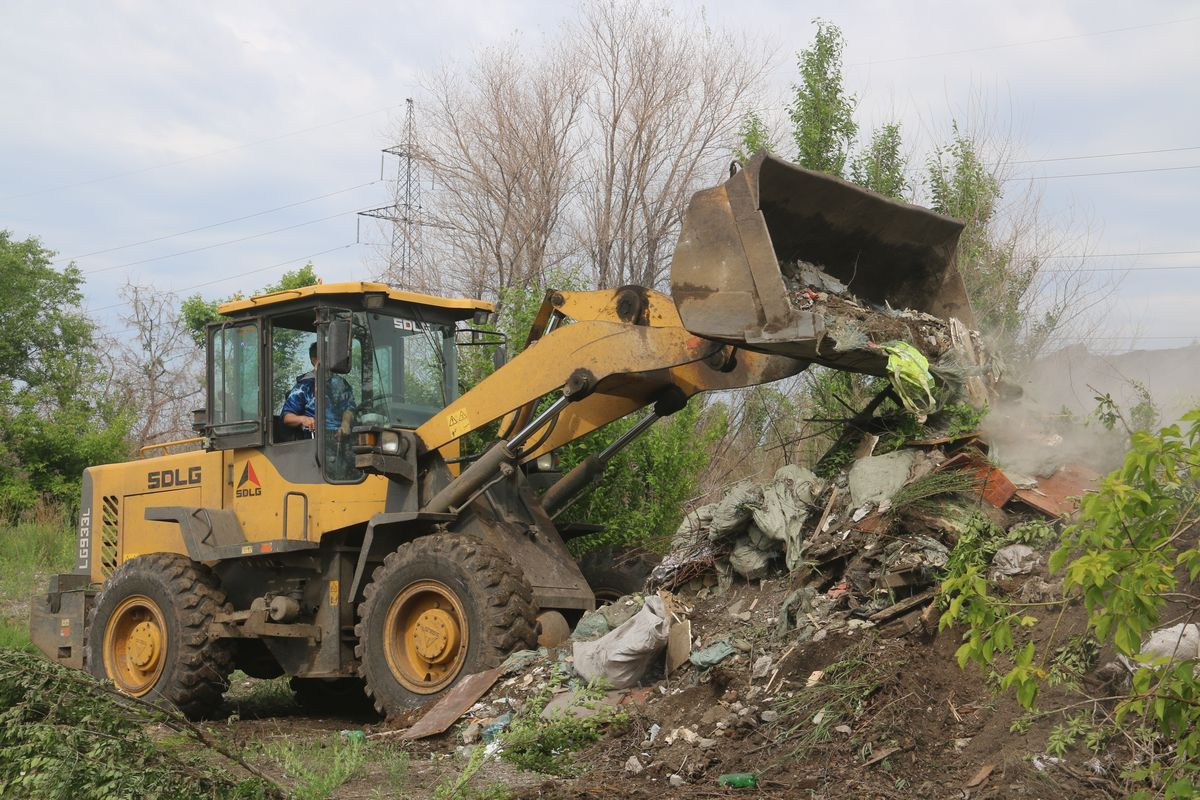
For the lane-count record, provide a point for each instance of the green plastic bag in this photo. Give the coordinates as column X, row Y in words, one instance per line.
column 908, row 370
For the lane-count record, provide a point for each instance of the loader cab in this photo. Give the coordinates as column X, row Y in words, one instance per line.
column 343, row 355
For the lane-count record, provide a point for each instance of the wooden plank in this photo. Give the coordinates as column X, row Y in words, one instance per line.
column 904, row 605
column 980, row 776
column 881, row 755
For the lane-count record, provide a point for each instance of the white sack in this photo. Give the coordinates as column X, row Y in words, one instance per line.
column 1180, row 642
column 622, row 655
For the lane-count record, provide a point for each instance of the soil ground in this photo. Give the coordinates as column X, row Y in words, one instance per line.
column 901, row 721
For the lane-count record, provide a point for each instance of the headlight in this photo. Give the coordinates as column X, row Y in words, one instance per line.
column 389, row 442
column 546, row 462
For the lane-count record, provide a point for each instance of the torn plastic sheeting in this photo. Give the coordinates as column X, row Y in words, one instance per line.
column 750, row 562
column 1014, row 559
column 492, row 731
column 786, row 502
column 712, row 655
column 518, row 660
column 908, row 370
column 733, row 511
column 622, row 656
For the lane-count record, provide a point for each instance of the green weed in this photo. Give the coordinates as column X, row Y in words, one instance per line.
column 317, row 767
column 839, row 698
column 544, row 745
column 459, row 787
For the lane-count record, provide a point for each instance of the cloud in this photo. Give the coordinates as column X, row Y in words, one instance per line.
column 92, row 90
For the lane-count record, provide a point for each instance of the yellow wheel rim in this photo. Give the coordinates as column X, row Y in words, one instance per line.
column 425, row 637
column 135, row 645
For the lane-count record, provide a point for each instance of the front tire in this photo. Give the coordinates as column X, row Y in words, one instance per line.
column 148, row 634
column 439, row 608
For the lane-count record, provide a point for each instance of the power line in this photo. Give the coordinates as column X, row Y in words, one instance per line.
column 1105, row 155
column 1127, row 255
column 217, row 244
column 240, row 274
column 217, row 224
column 187, row 159
column 1133, row 337
column 1092, row 174
column 1022, row 44
column 1122, row 269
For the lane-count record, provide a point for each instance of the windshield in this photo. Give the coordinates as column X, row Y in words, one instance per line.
column 404, row 369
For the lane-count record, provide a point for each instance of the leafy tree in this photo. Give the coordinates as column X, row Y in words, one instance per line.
column 963, row 185
column 880, row 167
column 752, row 137
column 44, row 338
column 1128, row 553
column 822, row 112
column 197, row 313
column 55, row 415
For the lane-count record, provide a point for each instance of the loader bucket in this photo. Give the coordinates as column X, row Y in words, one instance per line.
column 726, row 274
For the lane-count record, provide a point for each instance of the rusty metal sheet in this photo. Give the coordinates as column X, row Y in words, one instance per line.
column 994, row 485
column 453, row 704
column 1054, row 495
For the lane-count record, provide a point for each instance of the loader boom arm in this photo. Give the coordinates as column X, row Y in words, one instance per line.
column 623, row 351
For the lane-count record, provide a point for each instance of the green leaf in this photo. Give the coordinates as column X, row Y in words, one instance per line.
column 1026, row 693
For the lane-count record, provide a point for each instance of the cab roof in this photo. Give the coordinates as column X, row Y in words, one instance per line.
column 379, row 295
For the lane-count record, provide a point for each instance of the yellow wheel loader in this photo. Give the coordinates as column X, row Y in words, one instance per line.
column 354, row 547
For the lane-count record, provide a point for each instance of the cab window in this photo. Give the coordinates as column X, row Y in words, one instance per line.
column 234, row 385
column 235, row 380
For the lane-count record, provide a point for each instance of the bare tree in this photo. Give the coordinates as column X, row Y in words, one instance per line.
column 582, row 152
column 502, row 145
column 157, row 368
column 667, row 95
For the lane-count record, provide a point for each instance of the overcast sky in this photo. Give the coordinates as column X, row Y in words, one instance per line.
column 210, row 111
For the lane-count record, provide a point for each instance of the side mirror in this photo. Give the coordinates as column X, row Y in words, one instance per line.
column 338, row 346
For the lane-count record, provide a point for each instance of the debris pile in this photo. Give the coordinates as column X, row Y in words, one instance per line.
column 867, row 545
column 783, row 606
column 915, row 344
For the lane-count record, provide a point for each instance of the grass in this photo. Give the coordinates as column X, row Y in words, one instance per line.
column 14, row 635
column 30, row 550
column 535, row 743
column 317, row 768
column 838, row 699
column 459, row 787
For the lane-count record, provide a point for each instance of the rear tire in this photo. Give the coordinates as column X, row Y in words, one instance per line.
column 148, row 634
column 613, row 573
column 438, row 609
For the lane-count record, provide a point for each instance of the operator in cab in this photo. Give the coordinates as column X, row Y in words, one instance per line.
column 300, row 411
